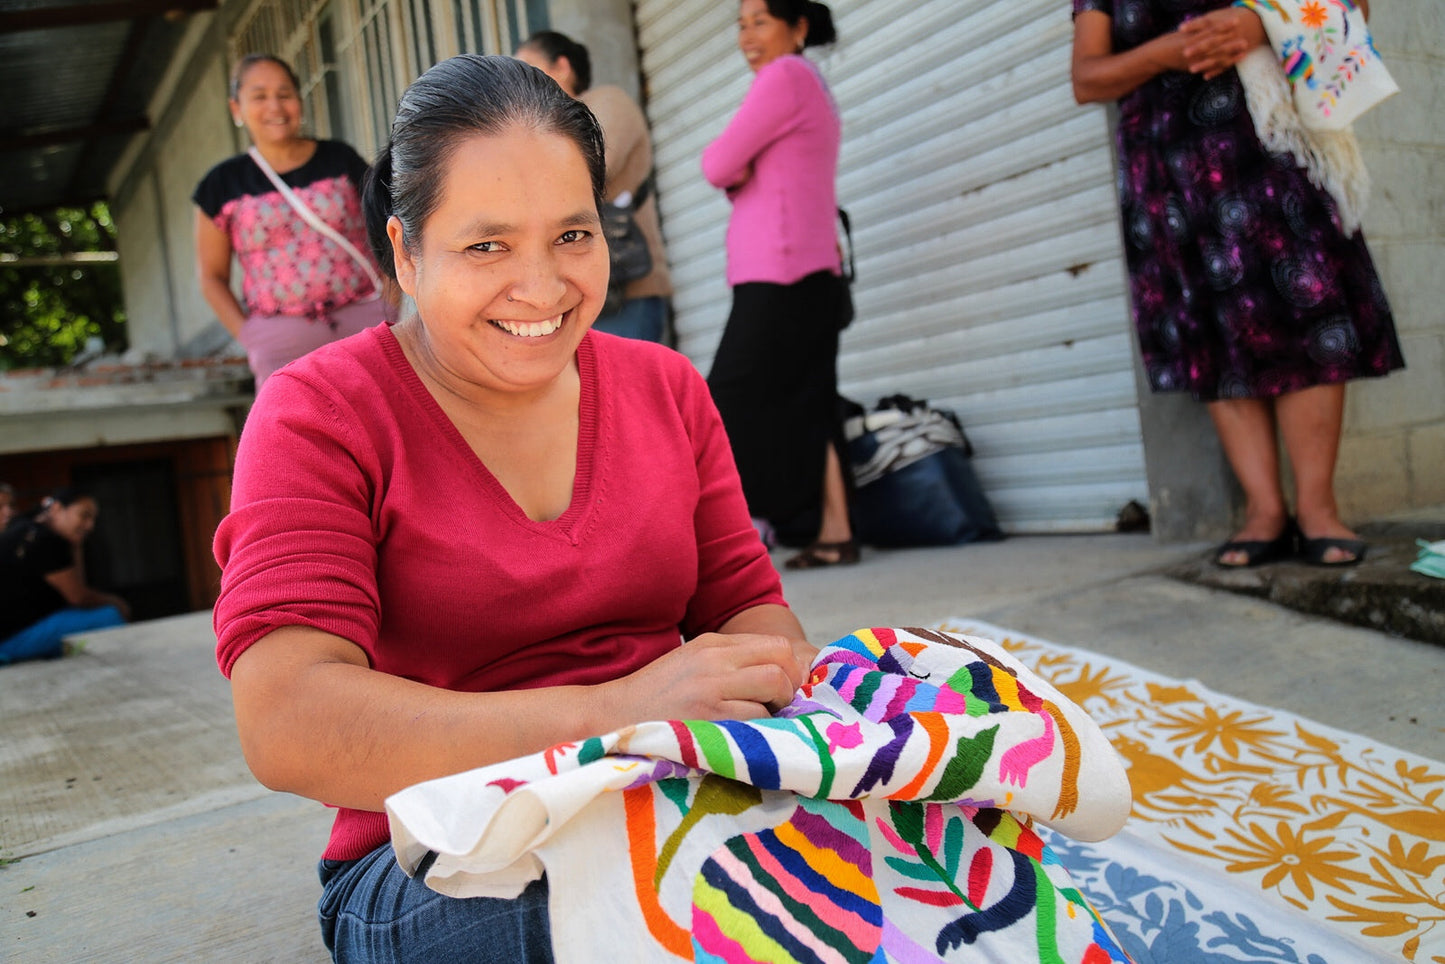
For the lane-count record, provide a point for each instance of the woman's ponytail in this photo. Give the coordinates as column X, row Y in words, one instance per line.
column 376, row 207
column 820, row 25
column 819, row 17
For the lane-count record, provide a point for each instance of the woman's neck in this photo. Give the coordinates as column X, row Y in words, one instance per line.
column 288, row 155
column 476, row 403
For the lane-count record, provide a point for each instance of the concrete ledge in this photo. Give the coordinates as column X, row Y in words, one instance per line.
column 1380, row 593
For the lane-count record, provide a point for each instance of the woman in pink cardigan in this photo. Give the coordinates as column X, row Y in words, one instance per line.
column 774, row 377
column 485, row 529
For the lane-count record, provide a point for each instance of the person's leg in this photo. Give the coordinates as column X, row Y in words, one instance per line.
column 43, row 639
column 371, row 912
column 834, row 545
column 1246, row 428
column 640, row 318
column 1310, row 422
column 836, row 525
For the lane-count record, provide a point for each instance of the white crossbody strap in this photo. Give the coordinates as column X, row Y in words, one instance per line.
column 311, row 218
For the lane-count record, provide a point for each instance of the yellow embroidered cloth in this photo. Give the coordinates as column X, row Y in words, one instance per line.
column 1303, row 818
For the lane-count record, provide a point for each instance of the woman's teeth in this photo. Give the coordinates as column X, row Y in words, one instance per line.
column 529, row 329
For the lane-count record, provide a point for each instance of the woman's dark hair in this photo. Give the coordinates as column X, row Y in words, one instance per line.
column 460, row 98
column 820, row 19
column 65, row 497
column 251, row 60
column 551, row 44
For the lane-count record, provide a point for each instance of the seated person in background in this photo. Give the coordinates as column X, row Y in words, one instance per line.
column 43, row 593
column 7, row 504
column 484, row 530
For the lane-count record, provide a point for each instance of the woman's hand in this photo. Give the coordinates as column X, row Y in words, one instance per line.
column 732, row 189
column 716, row 676
column 1218, row 40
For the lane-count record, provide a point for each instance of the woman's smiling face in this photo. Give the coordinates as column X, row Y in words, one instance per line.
column 511, row 267
column 267, row 103
column 763, row 38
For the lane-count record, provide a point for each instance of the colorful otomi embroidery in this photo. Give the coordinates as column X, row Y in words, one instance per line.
column 884, row 815
column 1328, row 56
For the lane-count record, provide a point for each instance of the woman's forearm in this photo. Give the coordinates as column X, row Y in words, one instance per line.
column 315, row 720
column 1103, row 76
column 222, row 299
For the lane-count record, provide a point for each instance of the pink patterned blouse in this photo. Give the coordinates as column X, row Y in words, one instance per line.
column 287, row 266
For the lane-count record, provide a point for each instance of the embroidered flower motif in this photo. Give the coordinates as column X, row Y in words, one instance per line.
column 1290, row 853
column 1312, row 14
column 1207, row 726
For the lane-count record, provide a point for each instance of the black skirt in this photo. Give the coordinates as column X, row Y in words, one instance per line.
column 775, row 382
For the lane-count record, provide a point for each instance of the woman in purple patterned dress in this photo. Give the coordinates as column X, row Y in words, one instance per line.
column 1246, row 291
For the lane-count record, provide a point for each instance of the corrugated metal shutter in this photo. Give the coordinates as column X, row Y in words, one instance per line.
column 990, row 271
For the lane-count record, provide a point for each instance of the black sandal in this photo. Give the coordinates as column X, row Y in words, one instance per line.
column 1257, row 552
column 820, row 554
column 1313, row 551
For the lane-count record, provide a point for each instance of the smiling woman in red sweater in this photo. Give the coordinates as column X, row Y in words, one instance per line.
column 484, row 530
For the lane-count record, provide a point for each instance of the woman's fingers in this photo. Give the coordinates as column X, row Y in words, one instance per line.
column 718, row 676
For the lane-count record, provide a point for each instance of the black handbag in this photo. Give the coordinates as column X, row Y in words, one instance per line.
column 626, row 246
column 914, row 484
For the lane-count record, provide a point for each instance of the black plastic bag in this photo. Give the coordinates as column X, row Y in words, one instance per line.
column 914, row 484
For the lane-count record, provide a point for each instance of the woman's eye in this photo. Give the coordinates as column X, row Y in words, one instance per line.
column 573, row 236
column 486, row 247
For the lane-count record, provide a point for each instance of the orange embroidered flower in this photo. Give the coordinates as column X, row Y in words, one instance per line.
column 1290, row 854
column 1208, row 726
column 1313, row 14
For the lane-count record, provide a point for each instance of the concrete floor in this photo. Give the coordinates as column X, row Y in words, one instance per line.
column 130, row 829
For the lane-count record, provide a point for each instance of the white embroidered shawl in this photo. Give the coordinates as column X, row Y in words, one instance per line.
column 1320, row 72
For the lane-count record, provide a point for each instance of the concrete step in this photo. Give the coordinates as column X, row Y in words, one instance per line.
column 1380, row 593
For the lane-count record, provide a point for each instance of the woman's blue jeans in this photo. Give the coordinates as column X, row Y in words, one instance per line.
column 371, row 911
column 640, row 318
column 42, row 639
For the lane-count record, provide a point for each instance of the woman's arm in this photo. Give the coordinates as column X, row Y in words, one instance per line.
column 316, row 720
column 1099, row 74
column 213, row 271
column 71, row 584
column 766, row 113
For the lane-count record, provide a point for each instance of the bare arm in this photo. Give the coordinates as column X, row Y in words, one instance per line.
column 1099, row 74
column 71, row 584
column 316, row 720
column 213, row 271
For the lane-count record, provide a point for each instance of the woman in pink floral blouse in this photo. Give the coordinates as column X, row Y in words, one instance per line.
column 299, row 288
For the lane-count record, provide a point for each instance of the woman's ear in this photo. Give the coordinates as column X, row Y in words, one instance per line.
column 567, row 76
column 401, row 258
column 235, row 113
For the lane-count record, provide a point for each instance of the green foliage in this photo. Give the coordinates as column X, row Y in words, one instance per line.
column 51, row 299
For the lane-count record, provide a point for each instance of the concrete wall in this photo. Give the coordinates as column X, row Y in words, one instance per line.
column 1393, row 453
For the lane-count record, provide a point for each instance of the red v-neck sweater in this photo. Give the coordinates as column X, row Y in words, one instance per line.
column 358, row 509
